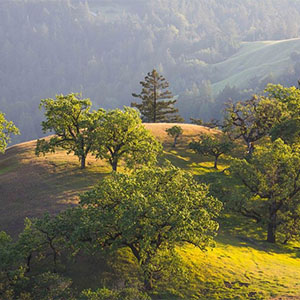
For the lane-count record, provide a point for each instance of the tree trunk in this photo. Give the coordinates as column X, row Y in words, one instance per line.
column 175, row 142
column 216, row 162
column 148, row 281
column 83, row 158
column 271, row 233
column 154, row 104
column 148, row 276
column 250, row 148
column 54, row 251
column 271, row 238
column 28, row 263
column 54, row 261
column 114, row 165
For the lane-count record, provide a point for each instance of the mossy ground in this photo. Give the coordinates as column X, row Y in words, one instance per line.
column 240, row 266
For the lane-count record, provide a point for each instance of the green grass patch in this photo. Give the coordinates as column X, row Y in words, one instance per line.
column 254, row 59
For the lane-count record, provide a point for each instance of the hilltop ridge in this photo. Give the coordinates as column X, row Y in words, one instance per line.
column 254, row 59
column 31, row 185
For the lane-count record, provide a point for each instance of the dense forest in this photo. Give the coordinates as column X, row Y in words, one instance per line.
column 104, row 48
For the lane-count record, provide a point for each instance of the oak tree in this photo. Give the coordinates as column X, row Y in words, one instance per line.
column 252, row 119
column 212, row 145
column 121, row 135
column 175, row 132
column 289, row 127
column 73, row 124
column 149, row 212
column 272, row 185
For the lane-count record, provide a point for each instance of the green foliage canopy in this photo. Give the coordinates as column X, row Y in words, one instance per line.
column 106, row 294
column 214, row 146
column 17, row 281
column 6, row 129
column 272, row 185
column 252, row 119
column 289, row 127
column 73, row 124
column 151, row 211
column 121, row 135
column 11, row 272
column 175, row 132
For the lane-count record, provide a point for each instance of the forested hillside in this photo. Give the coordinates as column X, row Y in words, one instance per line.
column 104, row 48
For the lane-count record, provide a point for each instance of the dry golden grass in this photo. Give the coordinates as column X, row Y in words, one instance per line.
column 241, row 263
column 31, row 185
column 190, row 131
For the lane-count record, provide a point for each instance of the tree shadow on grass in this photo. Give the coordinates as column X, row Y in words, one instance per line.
column 187, row 159
column 239, row 231
column 39, row 191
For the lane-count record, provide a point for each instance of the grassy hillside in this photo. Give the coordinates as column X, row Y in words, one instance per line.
column 241, row 266
column 254, row 59
column 31, row 185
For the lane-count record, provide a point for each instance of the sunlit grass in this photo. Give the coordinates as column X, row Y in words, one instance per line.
column 240, row 266
column 254, row 59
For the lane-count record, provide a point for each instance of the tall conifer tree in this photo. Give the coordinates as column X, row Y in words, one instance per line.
column 157, row 101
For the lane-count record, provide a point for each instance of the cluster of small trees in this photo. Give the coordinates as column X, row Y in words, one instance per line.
column 149, row 211
column 154, row 209
column 112, row 135
column 270, row 171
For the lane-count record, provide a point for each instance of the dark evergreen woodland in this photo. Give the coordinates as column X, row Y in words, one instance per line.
column 103, row 51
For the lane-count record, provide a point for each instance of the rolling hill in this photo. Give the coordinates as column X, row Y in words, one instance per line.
column 104, row 48
column 31, row 185
column 241, row 266
column 254, row 59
